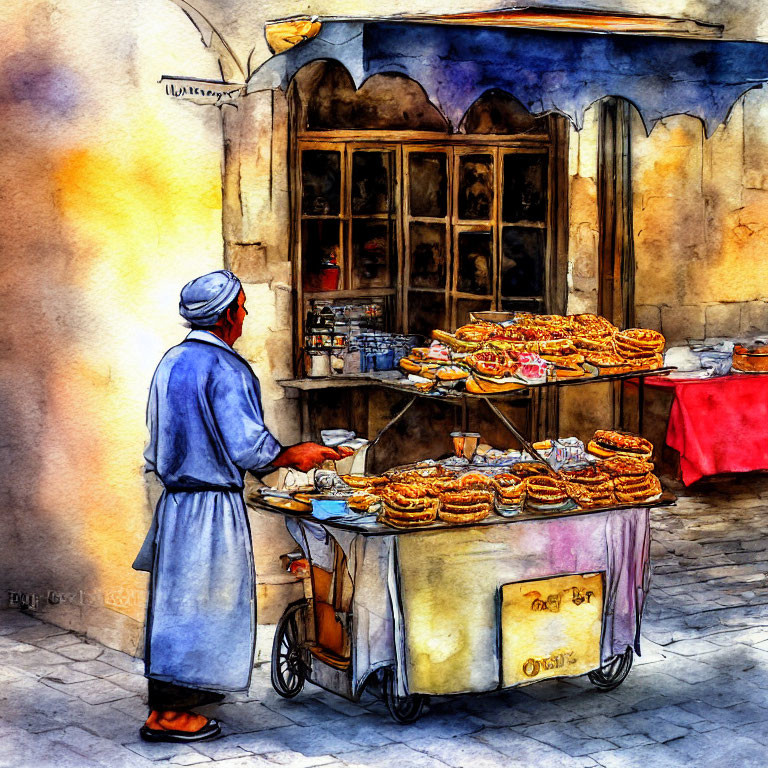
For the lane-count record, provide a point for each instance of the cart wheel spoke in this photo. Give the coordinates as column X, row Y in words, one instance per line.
column 288, row 670
column 403, row 709
column 613, row 673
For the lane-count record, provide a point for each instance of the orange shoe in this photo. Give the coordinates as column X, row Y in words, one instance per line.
column 179, row 727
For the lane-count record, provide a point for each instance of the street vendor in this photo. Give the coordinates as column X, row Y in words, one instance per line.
column 207, row 429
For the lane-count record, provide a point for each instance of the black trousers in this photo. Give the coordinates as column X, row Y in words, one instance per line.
column 167, row 696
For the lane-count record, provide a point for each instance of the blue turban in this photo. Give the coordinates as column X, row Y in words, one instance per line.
column 205, row 298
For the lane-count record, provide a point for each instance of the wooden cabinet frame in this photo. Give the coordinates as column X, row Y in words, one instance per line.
column 402, row 143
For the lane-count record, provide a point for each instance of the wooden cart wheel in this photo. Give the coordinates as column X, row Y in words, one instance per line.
column 403, row 709
column 612, row 674
column 288, row 663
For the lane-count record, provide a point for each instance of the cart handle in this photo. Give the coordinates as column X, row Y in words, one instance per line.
column 520, row 437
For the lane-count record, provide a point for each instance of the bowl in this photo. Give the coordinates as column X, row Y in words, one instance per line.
column 327, row 509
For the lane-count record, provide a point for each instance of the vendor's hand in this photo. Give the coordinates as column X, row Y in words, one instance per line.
column 305, row 456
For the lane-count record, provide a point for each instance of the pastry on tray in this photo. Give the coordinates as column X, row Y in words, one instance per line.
column 484, row 385
column 363, row 481
column 589, row 487
column 405, row 505
column 626, row 465
column 545, row 492
column 609, row 442
column 465, row 506
column 630, row 490
column 639, row 339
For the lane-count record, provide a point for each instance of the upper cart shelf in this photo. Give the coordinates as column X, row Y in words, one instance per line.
column 395, row 380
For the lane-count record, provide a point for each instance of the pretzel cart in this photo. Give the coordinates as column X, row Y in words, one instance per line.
column 450, row 609
column 472, row 574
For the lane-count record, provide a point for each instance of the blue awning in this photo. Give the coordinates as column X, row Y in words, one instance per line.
column 547, row 71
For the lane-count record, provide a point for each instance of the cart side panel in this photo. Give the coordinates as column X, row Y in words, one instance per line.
column 550, row 627
column 450, row 580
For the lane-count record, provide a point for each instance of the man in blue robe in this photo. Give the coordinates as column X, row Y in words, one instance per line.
column 206, row 430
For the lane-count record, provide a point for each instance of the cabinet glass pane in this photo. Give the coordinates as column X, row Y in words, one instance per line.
column 522, row 261
column 465, row 306
column 427, row 249
column 523, row 305
column 428, row 184
column 426, row 311
column 320, row 254
column 476, row 187
column 321, row 182
column 475, row 263
column 525, row 188
column 372, row 182
column 372, row 253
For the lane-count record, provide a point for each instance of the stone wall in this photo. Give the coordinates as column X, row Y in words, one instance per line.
column 583, row 221
column 111, row 202
column 701, row 224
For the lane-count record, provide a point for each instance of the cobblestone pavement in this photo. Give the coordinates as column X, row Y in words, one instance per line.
column 697, row 697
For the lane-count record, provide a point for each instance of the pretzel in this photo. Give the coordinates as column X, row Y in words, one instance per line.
column 465, row 509
column 606, row 442
column 361, row 481
column 604, row 359
column 646, row 363
column 407, row 522
column 597, row 344
column 507, row 480
column 476, row 331
column 591, row 476
column 511, row 494
column 362, row 500
column 474, row 480
column 492, row 362
column 512, row 491
column 459, row 345
column 546, row 490
column 465, row 517
column 451, row 373
column 591, row 496
column 465, row 498
column 652, row 490
column 557, row 347
column 530, row 469
column 624, row 464
column 426, row 514
column 593, row 325
column 642, row 338
column 632, row 483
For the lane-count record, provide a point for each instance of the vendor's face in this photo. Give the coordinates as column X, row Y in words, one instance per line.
column 239, row 317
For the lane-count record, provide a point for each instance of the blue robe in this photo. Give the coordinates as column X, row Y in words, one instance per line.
column 206, row 429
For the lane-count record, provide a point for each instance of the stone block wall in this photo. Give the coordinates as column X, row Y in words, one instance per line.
column 583, row 222
column 701, row 224
column 706, row 321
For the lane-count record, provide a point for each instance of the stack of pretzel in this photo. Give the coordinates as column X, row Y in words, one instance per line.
column 467, row 499
column 367, row 491
column 610, row 442
column 419, row 495
column 545, row 492
column 566, row 358
column 486, row 355
column 589, row 487
column 510, row 489
column 633, row 479
column 408, row 505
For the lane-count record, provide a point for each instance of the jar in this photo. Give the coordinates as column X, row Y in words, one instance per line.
column 319, row 364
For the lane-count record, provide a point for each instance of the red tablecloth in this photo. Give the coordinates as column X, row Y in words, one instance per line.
column 718, row 425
